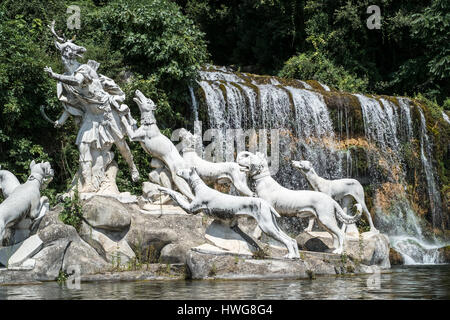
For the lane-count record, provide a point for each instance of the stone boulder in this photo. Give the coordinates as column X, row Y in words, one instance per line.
column 57, row 231
column 79, row 253
column 51, row 218
column 106, row 213
column 368, row 249
column 118, row 252
column 63, row 254
column 149, row 234
column 26, row 250
column 49, row 260
column 7, row 252
column 222, row 265
column 62, row 246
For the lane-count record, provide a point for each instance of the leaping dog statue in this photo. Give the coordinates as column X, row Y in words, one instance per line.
column 229, row 208
column 339, row 189
column 302, row 203
column 24, row 200
column 155, row 143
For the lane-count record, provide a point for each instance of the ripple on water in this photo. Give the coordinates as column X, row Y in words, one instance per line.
column 410, row 282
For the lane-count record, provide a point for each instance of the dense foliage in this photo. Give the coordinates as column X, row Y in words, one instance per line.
column 158, row 45
column 148, row 45
column 409, row 54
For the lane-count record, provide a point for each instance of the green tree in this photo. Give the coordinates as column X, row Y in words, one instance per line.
column 255, row 35
column 147, row 44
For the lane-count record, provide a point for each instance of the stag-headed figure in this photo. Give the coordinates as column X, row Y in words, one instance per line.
column 95, row 101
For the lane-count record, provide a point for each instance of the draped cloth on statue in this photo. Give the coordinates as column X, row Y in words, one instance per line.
column 95, row 101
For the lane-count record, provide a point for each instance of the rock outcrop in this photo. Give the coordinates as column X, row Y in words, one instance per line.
column 117, row 239
column 369, row 248
column 225, row 266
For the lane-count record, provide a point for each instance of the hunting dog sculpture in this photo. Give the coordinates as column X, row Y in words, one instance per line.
column 8, row 182
column 340, row 189
column 155, row 143
column 229, row 208
column 211, row 172
column 302, row 203
column 25, row 199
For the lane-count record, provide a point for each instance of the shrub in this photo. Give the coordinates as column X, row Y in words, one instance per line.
column 315, row 66
column 72, row 213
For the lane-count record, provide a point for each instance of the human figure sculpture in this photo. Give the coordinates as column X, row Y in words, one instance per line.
column 159, row 176
column 155, row 143
column 339, row 189
column 24, row 201
column 302, row 203
column 211, row 172
column 94, row 100
column 228, row 208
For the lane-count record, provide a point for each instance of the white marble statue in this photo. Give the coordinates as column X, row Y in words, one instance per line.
column 339, row 189
column 159, row 176
column 302, row 203
column 155, row 143
column 8, row 182
column 228, row 208
column 211, row 172
column 24, row 200
column 94, row 100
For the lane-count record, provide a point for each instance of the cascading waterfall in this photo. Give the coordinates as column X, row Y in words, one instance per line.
column 445, row 116
column 388, row 127
column 425, row 155
column 235, row 102
column 241, row 101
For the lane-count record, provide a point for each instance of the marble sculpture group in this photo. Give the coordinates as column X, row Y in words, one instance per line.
column 96, row 103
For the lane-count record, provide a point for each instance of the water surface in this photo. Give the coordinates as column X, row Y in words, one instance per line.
column 408, row 282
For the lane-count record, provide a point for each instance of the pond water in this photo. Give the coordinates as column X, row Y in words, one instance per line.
column 408, row 282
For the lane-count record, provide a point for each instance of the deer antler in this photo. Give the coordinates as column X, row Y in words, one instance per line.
column 52, row 29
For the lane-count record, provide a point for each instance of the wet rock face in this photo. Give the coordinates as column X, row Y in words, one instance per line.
column 395, row 257
column 444, row 253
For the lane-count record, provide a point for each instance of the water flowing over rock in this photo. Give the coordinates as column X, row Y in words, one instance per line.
column 382, row 141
